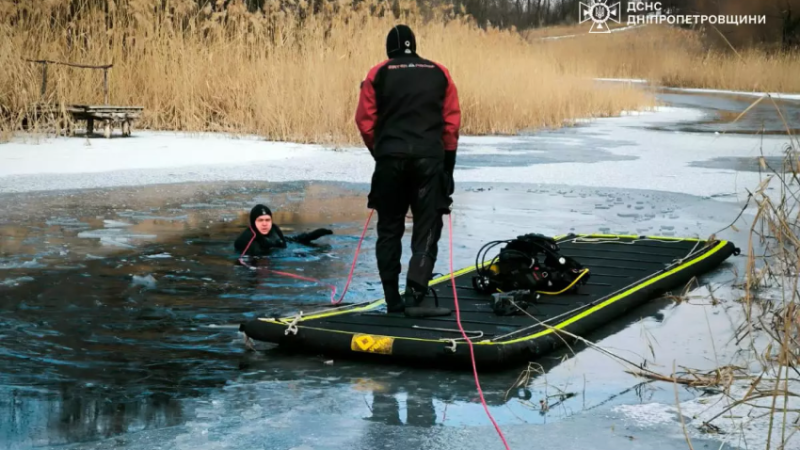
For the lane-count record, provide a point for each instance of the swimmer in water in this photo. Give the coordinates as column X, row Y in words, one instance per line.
column 268, row 235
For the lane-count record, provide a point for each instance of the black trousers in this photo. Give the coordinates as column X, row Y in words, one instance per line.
column 397, row 185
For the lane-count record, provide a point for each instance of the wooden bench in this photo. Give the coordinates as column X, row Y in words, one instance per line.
column 108, row 115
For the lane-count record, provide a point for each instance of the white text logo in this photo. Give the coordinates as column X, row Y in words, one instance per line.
column 650, row 13
column 599, row 13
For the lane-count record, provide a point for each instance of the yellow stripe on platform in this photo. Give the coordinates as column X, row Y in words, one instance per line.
column 571, row 320
column 613, row 299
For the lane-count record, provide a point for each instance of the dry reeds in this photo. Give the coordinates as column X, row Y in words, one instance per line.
column 674, row 57
column 770, row 332
column 722, row 376
column 291, row 71
column 565, row 31
column 771, row 294
column 286, row 72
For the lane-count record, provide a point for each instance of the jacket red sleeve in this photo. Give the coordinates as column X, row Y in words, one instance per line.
column 367, row 110
column 452, row 114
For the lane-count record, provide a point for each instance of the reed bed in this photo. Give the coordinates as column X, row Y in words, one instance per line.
column 674, row 57
column 283, row 72
column 291, row 71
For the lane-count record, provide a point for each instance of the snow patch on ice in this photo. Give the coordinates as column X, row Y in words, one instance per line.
column 648, row 414
column 146, row 150
column 747, row 422
column 567, row 36
column 66, row 222
column 655, row 157
column 14, row 282
column 116, row 237
column 147, row 281
column 777, row 95
column 622, row 80
column 115, row 224
column 159, row 256
column 32, row 264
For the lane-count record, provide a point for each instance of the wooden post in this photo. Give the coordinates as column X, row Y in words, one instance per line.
column 105, row 84
column 44, row 79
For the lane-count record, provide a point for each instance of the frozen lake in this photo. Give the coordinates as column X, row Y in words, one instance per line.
column 120, row 299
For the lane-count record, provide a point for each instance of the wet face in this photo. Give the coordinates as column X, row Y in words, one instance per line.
column 264, row 224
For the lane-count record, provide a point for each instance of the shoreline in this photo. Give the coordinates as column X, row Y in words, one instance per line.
column 779, row 95
column 609, row 152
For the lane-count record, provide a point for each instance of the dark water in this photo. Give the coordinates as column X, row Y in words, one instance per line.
column 725, row 113
column 114, row 308
column 119, row 315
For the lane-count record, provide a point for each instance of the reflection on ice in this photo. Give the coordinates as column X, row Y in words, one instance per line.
column 115, row 237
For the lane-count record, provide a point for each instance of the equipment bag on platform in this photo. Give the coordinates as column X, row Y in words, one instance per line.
column 530, row 262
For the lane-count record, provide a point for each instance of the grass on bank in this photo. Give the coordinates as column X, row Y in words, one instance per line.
column 674, row 57
column 288, row 74
column 285, row 74
column 567, row 31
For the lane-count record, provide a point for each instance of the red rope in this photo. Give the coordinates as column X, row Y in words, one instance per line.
column 314, row 280
column 355, row 257
column 464, row 334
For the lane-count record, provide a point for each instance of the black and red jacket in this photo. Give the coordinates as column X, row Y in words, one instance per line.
column 408, row 107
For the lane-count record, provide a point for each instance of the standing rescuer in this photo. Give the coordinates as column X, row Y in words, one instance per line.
column 409, row 118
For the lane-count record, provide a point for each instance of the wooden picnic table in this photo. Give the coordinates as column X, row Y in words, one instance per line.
column 108, row 115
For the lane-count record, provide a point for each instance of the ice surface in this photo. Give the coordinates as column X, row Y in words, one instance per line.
column 296, row 415
column 66, row 222
column 565, row 36
column 745, row 425
column 147, row 281
column 117, row 237
column 652, row 159
column 777, row 95
column 8, row 264
column 115, row 224
column 159, row 256
column 144, row 150
column 14, row 282
column 623, row 80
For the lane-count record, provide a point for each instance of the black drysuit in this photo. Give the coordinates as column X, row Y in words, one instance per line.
column 264, row 244
column 409, row 117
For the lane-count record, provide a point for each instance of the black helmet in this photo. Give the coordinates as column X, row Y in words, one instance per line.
column 400, row 41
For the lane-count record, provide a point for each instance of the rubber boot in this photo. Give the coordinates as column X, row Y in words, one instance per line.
column 413, row 298
column 414, row 294
column 391, row 294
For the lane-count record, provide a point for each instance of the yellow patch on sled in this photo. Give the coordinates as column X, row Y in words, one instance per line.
column 372, row 344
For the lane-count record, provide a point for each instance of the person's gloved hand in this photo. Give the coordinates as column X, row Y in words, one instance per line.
column 449, row 168
column 306, row 238
column 448, row 187
column 451, row 185
column 319, row 232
